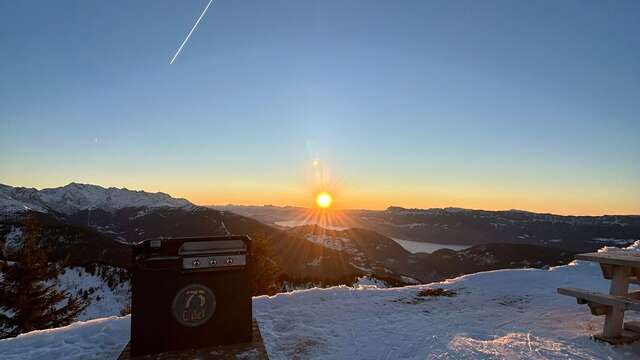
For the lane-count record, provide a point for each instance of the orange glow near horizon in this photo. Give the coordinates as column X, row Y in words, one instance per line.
column 377, row 200
column 346, row 190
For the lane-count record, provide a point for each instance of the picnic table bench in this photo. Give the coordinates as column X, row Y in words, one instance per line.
column 622, row 268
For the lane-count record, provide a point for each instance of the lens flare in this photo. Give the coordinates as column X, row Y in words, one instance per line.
column 324, row 200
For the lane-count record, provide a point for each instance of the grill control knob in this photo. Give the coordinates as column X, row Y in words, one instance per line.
column 229, row 261
column 212, row 262
column 196, row 262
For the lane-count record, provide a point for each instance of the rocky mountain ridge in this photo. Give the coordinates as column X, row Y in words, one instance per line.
column 76, row 197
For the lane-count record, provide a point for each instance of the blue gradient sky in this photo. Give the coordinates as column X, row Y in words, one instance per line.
column 483, row 104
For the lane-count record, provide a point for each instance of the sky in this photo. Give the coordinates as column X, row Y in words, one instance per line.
column 476, row 104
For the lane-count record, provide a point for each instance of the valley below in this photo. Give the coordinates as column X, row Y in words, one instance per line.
column 91, row 229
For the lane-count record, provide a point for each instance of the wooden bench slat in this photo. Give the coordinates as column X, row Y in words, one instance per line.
column 598, row 309
column 634, row 295
column 632, row 326
column 607, row 273
column 602, row 299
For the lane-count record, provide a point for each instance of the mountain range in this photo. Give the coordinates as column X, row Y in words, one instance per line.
column 89, row 224
column 455, row 226
column 76, row 197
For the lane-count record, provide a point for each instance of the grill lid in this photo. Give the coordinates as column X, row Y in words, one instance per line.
column 213, row 247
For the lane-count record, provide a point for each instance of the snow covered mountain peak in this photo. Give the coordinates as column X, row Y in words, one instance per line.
column 76, row 197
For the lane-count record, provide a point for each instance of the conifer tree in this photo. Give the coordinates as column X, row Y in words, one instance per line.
column 266, row 272
column 29, row 299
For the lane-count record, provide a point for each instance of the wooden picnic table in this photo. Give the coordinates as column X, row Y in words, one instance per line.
column 621, row 267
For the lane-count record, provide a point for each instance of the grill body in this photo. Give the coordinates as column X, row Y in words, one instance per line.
column 190, row 293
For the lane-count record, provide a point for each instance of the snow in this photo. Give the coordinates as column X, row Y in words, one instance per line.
column 95, row 339
column 369, row 282
column 8, row 203
column 315, row 262
column 409, row 280
column 361, row 268
column 635, row 247
column 13, row 240
column 105, row 301
column 330, row 242
column 415, row 247
column 338, row 243
column 507, row 314
column 334, row 242
column 77, row 197
column 504, row 314
column 615, row 241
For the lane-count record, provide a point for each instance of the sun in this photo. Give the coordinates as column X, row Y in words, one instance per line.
column 324, row 200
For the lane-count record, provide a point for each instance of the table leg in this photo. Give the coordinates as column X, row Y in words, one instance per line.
column 615, row 316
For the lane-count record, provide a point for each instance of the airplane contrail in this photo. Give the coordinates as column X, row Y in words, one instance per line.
column 190, row 32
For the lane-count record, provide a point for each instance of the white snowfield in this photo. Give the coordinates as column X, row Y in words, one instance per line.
column 104, row 301
column 93, row 339
column 77, row 197
column 506, row 314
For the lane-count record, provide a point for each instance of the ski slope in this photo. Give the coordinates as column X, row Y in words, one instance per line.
column 505, row 314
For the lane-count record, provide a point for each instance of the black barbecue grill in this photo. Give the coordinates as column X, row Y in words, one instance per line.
column 190, row 293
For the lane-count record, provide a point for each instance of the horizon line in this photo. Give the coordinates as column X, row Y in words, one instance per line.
column 333, row 209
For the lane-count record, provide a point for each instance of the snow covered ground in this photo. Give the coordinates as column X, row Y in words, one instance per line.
column 13, row 240
column 94, row 339
column 505, row 314
column 105, row 301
